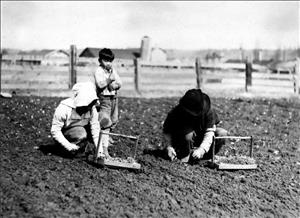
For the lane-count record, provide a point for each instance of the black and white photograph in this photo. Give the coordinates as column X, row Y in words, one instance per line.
column 150, row 109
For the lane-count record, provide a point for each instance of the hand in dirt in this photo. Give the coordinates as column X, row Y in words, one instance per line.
column 198, row 153
column 72, row 147
column 171, row 153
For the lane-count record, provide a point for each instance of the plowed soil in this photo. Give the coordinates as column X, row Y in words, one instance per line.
column 36, row 184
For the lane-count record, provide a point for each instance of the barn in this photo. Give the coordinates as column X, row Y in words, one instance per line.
column 283, row 67
column 37, row 57
column 123, row 57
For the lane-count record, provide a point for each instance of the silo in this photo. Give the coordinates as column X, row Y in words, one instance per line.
column 145, row 48
column 257, row 54
column 242, row 54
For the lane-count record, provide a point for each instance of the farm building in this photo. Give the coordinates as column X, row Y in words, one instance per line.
column 122, row 56
column 214, row 57
column 283, row 67
column 56, row 57
column 158, row 55
column 9, row 56
column 37, row 57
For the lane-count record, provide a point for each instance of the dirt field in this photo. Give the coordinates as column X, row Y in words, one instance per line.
column 33, row 184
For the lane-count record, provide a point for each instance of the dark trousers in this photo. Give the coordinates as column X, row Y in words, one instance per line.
column 78, row 135
column 184, row 145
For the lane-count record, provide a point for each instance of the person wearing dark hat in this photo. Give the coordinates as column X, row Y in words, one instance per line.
column 189, row 128
column 107, row 83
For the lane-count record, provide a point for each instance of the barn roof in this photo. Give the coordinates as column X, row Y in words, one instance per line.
column 156, row 48
column 129, row 53
column 56, row 51
column 36, row 52
column 283, row 65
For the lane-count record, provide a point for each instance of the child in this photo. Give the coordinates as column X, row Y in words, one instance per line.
column 192, row 124
column 107, row 83
column 76, row 119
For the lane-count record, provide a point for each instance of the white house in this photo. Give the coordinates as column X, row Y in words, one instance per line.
column 158, row 55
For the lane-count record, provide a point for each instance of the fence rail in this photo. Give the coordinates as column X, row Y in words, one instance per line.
column 140, row 79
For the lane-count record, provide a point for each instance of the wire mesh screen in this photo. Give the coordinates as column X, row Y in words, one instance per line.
column 234, row 147
column 122, row 147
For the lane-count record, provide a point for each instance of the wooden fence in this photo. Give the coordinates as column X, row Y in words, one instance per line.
column 220, row 79
column 140, row 79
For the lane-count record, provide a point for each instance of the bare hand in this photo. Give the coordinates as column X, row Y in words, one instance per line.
column 110, row 87
column 72, row 147
column 198, row 153
column 171, row 153
column 113, row 86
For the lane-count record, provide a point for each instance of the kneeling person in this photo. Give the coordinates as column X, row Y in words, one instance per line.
column 75, row 120
column 190, row 126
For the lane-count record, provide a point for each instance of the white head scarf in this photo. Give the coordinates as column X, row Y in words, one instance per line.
column 84, row 93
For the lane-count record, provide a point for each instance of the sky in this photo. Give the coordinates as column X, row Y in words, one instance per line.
column 188, row 25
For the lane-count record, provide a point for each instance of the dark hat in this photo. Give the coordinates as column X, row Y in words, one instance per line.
column 106, row 54
column 195, row 102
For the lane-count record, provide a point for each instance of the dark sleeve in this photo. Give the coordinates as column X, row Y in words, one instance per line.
column 177, row 123
column 211, row 119
column 169, row 121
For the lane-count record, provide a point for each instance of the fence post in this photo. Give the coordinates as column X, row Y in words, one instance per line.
column 73, row 61
column 137, row 71
column 0, row 70
column 248, row 76
column 198, row 73
column 297, row 76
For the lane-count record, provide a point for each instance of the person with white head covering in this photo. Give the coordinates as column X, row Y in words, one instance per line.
column 76, row 119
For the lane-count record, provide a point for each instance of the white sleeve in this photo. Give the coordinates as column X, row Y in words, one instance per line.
column 208, row 138
column 95, row 126
column 100, row 80
column 117, row 78
column 59, row 119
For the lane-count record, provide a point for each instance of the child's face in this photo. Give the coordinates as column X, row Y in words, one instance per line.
column 106, row 64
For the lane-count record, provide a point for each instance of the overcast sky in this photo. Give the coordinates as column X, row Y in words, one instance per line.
column 169, row 24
